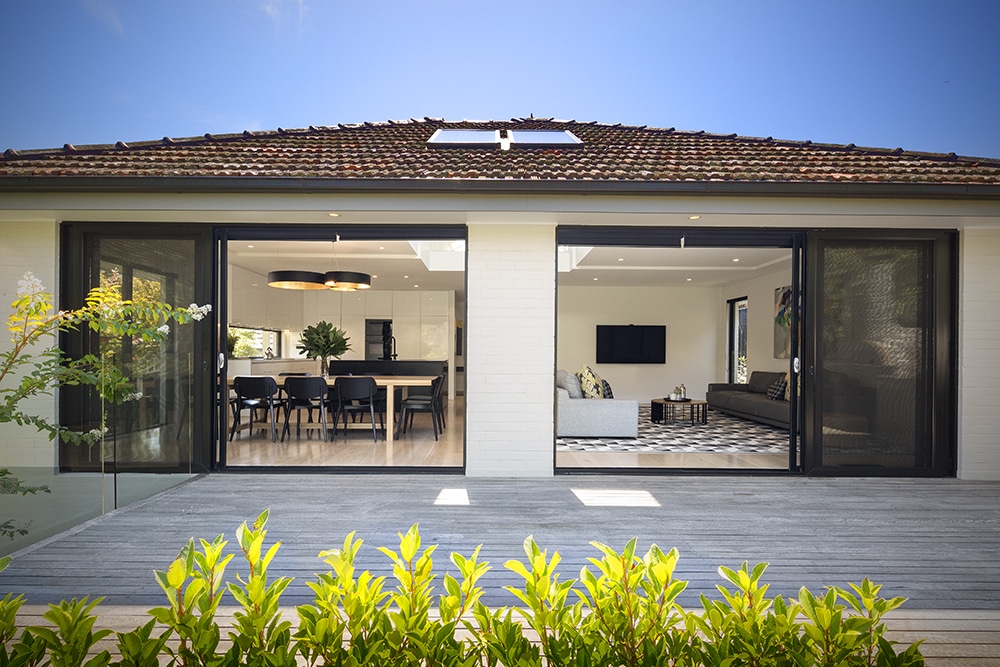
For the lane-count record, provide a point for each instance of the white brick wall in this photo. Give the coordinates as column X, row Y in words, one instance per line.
column 979, row 355
column 510, row 359
column 26, row 246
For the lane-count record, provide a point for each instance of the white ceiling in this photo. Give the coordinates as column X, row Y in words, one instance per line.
column 395, row 265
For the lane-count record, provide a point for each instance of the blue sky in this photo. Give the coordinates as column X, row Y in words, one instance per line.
column 918, row 74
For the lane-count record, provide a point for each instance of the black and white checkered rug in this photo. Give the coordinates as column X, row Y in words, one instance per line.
column 722, row 433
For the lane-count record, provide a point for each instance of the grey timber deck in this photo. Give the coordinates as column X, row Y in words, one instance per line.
column 934, row 541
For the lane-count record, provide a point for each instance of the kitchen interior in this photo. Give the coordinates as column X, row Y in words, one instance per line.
column 407, row 323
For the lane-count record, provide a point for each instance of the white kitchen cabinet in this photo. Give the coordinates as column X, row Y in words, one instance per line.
column 352, row 304
column 284, row 309
column 321, row 305
column 434, row 303
column 378, row 305
column 434, row 338
column 354, row 328
column 405, row 304
column 407, row 333
column 247, row 305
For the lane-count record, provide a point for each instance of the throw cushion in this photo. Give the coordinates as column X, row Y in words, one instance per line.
column 761, row 381
column 606, row 389
column 776, row 392
column 590, row 382
column 570, row 383
column 788, row 388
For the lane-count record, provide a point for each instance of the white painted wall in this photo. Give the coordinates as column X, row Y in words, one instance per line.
column 27, row 246
column 760, row 319
column 690, row 315
column 979, row 355
column 510, row 339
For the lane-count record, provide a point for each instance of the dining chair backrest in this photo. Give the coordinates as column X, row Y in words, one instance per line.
column 255, row 386
column 290, row 374
column 355, row 388
column 305, row 387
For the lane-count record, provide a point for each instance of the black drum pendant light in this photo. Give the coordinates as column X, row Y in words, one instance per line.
column 346, row 281
column 296, row 280
column 340, row 281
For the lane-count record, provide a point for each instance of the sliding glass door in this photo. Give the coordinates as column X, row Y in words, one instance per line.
column 162, row 430
column 881, row 381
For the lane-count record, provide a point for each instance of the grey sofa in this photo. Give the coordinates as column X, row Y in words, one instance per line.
column 750, row 400
column 579, row 417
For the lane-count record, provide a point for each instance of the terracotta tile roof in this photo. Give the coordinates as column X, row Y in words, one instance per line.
column 398, row 150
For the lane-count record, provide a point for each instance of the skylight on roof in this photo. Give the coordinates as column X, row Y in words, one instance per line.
column 482, row 138
column 543, row 138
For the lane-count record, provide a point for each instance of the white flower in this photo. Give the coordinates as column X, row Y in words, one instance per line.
column 199, row 312
column 163, row 329
column 29, row 285
column 97, row 433
column 134, row 396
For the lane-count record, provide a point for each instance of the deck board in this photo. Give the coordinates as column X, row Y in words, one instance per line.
column 935, row 541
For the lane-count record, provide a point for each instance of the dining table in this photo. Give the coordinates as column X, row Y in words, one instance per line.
column 389, row 382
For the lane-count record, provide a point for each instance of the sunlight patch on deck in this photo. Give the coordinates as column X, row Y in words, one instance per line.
column 452, row 497
column 615, row 498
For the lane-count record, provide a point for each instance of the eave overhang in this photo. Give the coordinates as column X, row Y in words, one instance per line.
column 284, row 186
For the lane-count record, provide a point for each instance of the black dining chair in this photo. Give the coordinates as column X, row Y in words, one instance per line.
column 354, row 395
column 254, row 392
column 281, row 385
column 304, row 393
column 433, row 405
column 381, row 400
column 427, row 394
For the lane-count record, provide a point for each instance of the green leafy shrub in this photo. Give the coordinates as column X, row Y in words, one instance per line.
column 621, row 612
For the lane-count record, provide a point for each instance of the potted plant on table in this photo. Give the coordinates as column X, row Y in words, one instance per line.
column 322, row 341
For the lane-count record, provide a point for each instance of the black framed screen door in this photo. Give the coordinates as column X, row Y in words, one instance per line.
column 881, row 378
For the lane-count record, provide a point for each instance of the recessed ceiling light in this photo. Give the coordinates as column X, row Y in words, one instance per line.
column 690, row 279
column 736, row 259
column 381, row 247
column 250, row 246
column 595, row 280
column 416, row 285
column 621, row 259
column 407, row 277
column 333, row 215
column 694, row 217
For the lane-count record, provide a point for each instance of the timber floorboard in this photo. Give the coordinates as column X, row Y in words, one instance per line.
column 934, row 541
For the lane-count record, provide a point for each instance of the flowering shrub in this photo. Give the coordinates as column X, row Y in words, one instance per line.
column 27, row 371
column 36, row 366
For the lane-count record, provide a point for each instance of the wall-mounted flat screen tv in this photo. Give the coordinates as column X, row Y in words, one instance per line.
column 631, row 344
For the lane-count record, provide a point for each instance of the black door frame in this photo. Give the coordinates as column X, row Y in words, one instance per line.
column 943, row 362
column 718, row 237
column 222, row 235
column 75, row 282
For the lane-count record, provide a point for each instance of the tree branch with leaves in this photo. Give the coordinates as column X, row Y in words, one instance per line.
column 35, row 365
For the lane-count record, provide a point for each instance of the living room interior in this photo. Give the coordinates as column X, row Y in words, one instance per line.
column 687, row 292
column 683, row 290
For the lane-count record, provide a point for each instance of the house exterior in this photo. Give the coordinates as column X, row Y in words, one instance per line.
column 517, row 190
